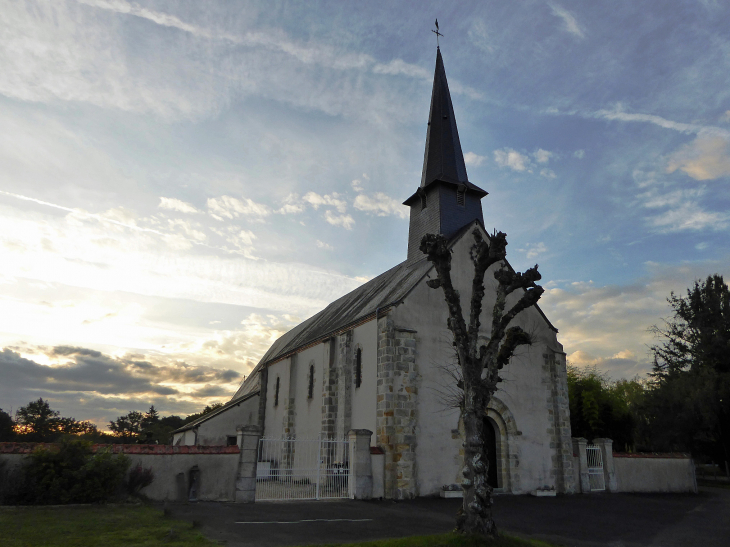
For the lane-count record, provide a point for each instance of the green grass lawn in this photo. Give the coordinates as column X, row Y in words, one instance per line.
column 125, row 525
column 447, row 540
column 103, row 525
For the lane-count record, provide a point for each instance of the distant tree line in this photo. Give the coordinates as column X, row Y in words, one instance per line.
column 38, row 422
column 684, row 405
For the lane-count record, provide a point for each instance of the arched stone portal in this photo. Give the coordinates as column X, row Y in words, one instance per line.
column 502, row 422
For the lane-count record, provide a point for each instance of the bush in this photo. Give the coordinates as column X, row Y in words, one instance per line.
column 139, row 477
column 70, row 473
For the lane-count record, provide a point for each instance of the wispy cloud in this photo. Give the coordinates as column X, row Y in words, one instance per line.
column 706, row 158
column 570, row 22
column 346, row 221
column 470, row 158
column 380, row 204
column 334, row 200
column 689, row 216
column 230, row 207
column 175, row 204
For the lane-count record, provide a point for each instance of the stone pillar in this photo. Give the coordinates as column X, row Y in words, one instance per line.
column 248, row 442
column 344, row 385
column 329, row 391
column 559, row 425
column 361, row 469
column 609, row 470
column 579, row 448
column 397, row 405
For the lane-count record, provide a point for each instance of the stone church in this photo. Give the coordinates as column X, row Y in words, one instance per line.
column 378, row 359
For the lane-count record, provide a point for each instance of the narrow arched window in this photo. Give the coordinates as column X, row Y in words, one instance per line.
column 424, row 201
column 358, row 367
column 311, row 382
column 276, row 392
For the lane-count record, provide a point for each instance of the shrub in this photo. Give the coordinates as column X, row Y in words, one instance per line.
column 139, row 477
column 70, row 473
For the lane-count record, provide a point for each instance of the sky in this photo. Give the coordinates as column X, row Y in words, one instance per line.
column 182, row 182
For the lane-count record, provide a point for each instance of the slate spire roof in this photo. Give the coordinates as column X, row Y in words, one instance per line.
column 443, row 159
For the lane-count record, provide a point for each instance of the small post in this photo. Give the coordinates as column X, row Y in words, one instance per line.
column 248, row 437
column 579, row 448
column 609, row 471
column 361, row 469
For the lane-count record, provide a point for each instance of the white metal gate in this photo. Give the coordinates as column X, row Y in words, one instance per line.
column 595, row 468
column 302, row 469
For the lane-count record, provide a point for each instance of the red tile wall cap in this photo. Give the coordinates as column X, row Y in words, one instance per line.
column 153, row 449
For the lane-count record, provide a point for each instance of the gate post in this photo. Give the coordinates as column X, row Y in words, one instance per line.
column 579, row 449
column 609, row 471
column 361, row 469
column 248, row 443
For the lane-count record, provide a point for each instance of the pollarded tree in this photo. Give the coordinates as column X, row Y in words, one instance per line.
column 480, row 364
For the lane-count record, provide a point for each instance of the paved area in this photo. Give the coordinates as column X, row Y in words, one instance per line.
column 607, row 520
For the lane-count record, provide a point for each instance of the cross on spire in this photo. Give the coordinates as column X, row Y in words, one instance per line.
column 437, row 33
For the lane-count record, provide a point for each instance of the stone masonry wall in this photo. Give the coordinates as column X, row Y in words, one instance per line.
column 555, row 376
column 329, row 393
column 397, row 393
column 344, row 384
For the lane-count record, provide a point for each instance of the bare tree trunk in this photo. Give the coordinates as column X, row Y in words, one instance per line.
column 475, row 516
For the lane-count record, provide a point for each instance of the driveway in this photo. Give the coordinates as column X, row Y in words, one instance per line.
column 615, row 520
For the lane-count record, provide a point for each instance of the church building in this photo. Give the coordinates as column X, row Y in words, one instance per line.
column 381, row 359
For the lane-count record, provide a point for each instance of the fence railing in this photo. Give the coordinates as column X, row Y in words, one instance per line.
column 596, row 478
column 302, row 469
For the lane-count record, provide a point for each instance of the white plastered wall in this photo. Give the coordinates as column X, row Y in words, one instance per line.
column 308, row 420
column 364, row 397
column 215, row 432
column 275, row 414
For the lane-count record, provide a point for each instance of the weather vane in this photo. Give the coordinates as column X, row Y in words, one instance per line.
column 437, row 33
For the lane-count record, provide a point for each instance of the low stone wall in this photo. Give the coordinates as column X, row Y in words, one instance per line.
column 212, row 470
column 655, row 473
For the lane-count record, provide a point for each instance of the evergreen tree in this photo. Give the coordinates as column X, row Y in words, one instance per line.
column 690, row 404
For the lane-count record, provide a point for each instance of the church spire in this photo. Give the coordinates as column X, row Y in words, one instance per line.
column 443, row 159
column 446, row 201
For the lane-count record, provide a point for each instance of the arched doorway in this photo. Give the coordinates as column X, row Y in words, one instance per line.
column 490, row 437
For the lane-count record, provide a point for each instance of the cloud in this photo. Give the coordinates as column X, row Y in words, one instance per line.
column 580, row 154
column 548, row 173
column 174, row 204
column 542, row 156
column 315, row 200
column 508, row 157
column 571, row 24
column 230, row 207
column 610, row 323
column 346, row 221
column 291, row 205
column 533, row 250
column 381, row 205
column 323, row 245
column 103, row 387
column 400, row 67
column 85, row 371
column 619, row 114
column 705, row 158
column 470, row 158
column 689, row 216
